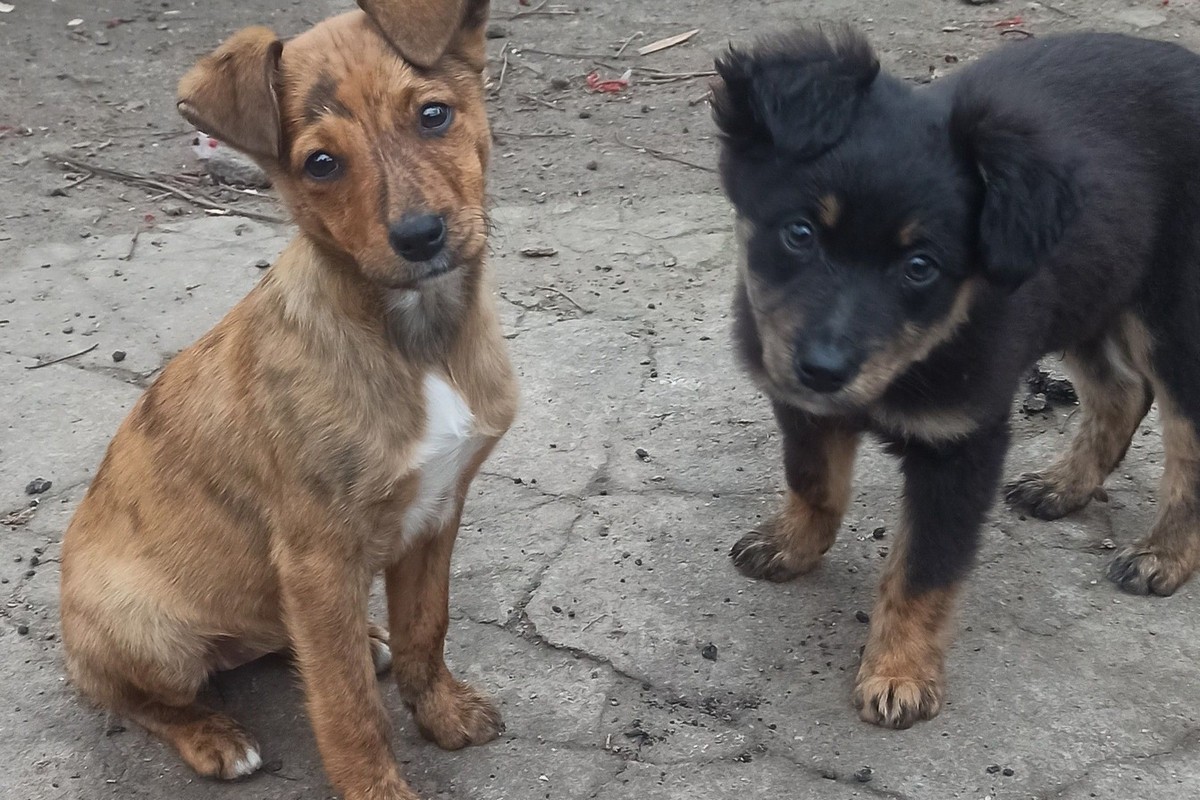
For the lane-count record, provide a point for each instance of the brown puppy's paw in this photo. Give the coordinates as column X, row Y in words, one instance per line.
column 381, row 651
column 394, row 789
column 897, row 701
column 758, row 555
column 453, row 715
column 1040, row 495
column 1140, row 570
column 217, row 747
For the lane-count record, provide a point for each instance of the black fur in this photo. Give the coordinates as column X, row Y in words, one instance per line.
column 1056, row 176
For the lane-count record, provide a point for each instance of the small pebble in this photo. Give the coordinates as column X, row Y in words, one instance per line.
column 863, row 775
column 709, row 651
column 862, row 617
column 642, row 454
column 993, row 769
column 118, row 355
column 593, row 166
column 879, row 532
column 34, row 561
column 23, row 629
column 38, row 485
column 560, row 83
column 1007, row 772
column 69, row 329
column 829, row 775
column 496, row 31
column 582, row 115
column 262, row 263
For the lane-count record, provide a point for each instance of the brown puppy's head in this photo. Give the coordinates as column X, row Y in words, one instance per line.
column 868, row 227
column 373, row 129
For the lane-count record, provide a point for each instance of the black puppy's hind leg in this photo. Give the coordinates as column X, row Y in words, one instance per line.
column 1110, row 376
column 1164, row 559
column 948, row 489
column 818, row 457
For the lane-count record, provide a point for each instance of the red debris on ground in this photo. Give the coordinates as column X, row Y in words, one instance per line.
column 608, row 85
column 1011, row 22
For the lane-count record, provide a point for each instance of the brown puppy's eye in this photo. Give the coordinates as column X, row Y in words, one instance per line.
column 920, row 271
column 797, row 235
column 435, row 117
column 321, row 166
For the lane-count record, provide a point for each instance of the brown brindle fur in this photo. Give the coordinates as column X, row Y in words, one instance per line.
column 256, row 488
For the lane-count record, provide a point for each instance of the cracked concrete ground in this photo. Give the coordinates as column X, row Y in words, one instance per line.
column 591, row 579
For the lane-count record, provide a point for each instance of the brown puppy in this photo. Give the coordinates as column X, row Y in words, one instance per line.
column 327, row 429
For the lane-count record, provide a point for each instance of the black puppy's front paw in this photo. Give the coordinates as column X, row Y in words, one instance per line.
column 758, row 555
column 1039, row 495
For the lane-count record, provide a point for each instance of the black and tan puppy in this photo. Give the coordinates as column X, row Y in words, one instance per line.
column 910, row 252
column 326, row 430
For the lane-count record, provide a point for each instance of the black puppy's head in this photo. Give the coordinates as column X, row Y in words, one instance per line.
column 871, row 215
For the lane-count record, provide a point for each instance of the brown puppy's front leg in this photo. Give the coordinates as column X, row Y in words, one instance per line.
column 818, row 459
column 947, row 491
column 325, row 606
column 447, row 711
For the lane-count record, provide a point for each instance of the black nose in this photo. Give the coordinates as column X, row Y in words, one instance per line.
column 418, row 237
column 825, row 368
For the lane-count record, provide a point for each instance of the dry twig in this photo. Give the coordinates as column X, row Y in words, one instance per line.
column 641, row 148
column 61, row 359
column 566, row 296
column 151, row 182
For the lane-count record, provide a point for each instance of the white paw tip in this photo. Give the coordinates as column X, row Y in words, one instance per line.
column 248, row 764
column 381, row 654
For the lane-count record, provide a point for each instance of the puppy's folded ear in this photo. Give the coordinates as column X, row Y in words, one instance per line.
column 797, row 92
column 231, row 93
column 425, row 30
column 1030, row 191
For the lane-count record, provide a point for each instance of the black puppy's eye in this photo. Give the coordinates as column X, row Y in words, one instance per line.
column 436, row 117
column 920, row 271
column 321, row 165
column 797, row 235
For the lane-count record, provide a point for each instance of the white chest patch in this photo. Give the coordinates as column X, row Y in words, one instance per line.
column 448, row 445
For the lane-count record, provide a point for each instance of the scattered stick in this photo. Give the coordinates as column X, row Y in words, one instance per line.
column 577, row 56
column 565, row 296
column 132, row 245
column 659, row 154
column 538, row 9
column 540, row 101
column 670, row 41
column 625, row 43
column 520, row 135
column 61, row 359
column 148, row 182
column 86, row 177
column 503, row 69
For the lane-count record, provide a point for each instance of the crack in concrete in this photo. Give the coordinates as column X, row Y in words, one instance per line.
column 1187, row 742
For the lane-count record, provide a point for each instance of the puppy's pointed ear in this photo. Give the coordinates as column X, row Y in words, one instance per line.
column 1030, row 190
column 231, row 93
column 797, row 92
column 425, row 30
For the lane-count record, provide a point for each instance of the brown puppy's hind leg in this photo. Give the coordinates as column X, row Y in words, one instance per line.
column 819, row 464
column 1114, row 394
column 209, row 742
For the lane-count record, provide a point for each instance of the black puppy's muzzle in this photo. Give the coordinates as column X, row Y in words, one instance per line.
column 825, row 367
